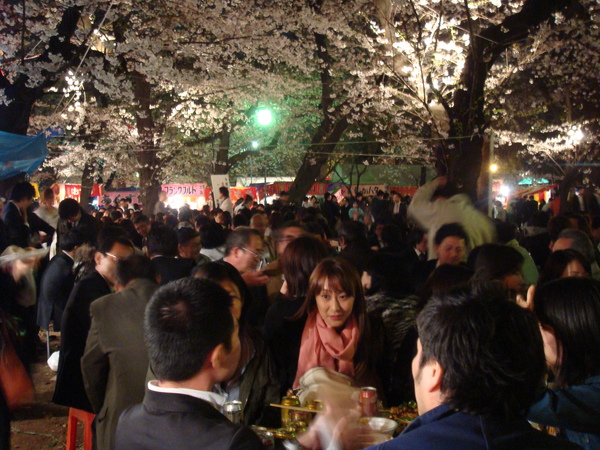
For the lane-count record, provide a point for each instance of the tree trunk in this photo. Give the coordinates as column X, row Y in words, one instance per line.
column 423, row 176
column 147, row 155
column 149, row 190
column 316, row 157
column 571, row 176
column 87, row 182
column 222, row 161
column 467, row 119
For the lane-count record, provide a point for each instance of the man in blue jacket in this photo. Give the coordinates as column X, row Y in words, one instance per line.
column 479, row 362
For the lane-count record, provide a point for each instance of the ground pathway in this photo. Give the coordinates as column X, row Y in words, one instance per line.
column 43, row 424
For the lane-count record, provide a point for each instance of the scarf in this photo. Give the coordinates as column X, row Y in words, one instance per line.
column 323, row 346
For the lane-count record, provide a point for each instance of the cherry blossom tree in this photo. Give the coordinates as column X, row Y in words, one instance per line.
column 169, row 89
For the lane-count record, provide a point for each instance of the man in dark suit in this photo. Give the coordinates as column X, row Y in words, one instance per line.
column 243, row 250
column 57, row 282
column 193, row 344
column 115, row 361
column 15, row 214
column 450, row 246
column 354, row 244
column 162, row 250
column 71, row 215
column 76, row 322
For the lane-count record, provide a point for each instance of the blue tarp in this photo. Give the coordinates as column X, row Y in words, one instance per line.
column 20, row 154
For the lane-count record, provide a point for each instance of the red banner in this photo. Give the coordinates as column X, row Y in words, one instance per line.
column 236, row 193
column 404, row 190
column 72, row 191
column 276, row 188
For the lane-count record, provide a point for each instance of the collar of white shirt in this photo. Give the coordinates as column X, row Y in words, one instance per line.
column 214, row 399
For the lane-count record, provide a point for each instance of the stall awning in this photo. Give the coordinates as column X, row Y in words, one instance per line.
column 21, row 154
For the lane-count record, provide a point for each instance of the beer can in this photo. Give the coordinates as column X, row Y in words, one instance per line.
column 233, row 411
column 300, row 416
column 368, row 401
column 268, row 440
column 291, row 400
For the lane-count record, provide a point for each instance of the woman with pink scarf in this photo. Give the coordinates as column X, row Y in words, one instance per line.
column 338, row 332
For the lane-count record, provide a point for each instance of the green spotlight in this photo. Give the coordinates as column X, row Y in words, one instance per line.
column 264, row 117
column 255, row 144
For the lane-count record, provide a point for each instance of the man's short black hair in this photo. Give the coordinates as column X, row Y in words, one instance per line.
column 490, row 350
column 353, row 232
column 212, row 235
column 448, row 230
column 22, row 191
column 68, row 208
column 71, row 239
column 107, row 244
column 240, row 237
column 223, row 190
column 416, row 236
column 185, row 320
column 135, row 267
column 141, row 219
column 185, row 215
column 240, row 220
column 186, row 234
column 162, row 240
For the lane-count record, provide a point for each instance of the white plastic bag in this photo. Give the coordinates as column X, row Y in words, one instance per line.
column 53, row 361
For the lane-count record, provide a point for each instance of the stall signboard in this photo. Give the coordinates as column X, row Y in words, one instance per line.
column 235, row 193
column 186, row 190
column 111, row 196
column 71, row 191
column 366, row 190
column 404, row 190
column 276, row 188
column 63, row 191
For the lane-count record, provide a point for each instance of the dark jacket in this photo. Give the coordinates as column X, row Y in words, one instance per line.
column 115, row 361
column 284, row 336
column 18, row 231
column 399, row 344
column 57, row 282
column 574, row 410
column 442, row 428
column 88, row 225
column 171, row 269
column 259, row 387
column 75, row 326
column 176, row 421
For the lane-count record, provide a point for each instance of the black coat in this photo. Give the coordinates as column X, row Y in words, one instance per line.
column 176, row 421
column 284, row 337
column 88, row 225
column 75, row 327
column 18, row 232
column 56, row 285
column 171, row 269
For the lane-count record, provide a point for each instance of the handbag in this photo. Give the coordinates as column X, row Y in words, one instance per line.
column 16, row 384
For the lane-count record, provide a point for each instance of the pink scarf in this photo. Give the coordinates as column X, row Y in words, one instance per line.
column 323, row 346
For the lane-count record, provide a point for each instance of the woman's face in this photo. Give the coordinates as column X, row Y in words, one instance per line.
column 514, row 281
column 550, row 346
column 335, row 306
column 236, row 297
column 574, row 269
column 366, row 281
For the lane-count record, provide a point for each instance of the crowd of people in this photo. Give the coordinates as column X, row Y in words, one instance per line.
column 486, row 324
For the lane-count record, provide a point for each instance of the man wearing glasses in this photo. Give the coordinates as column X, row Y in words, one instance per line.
column 243, row 250
column 76, row 322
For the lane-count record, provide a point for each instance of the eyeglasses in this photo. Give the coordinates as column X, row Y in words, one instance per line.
column 256, row 255
column 115, row 258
